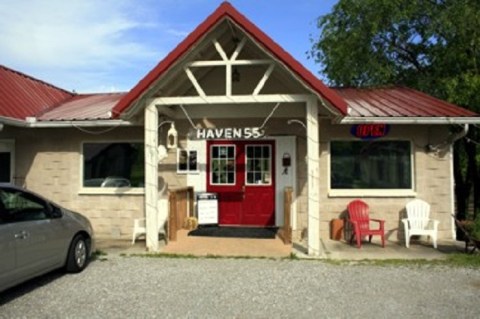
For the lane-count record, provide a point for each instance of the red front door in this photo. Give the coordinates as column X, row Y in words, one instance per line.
column 242, row 174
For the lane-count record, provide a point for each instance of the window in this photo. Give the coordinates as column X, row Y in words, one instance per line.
column 5, row 167
column 258, row 165
column 222, row 165
column 187, row 161
column 371, row 165
column 113, row 165
column 7, row 161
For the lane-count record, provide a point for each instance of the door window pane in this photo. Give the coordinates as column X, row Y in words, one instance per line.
column 113, row 165
column 258, row 161
column 222, row 165
column 371, row 165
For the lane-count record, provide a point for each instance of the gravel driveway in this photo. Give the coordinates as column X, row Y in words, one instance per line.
column 136, row 287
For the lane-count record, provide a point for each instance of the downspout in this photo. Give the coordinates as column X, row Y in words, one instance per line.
column 454, row 138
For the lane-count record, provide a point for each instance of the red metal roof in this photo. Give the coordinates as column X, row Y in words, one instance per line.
column 22, row 96
column 397, row 102
column 224, row 11
column 84, row 107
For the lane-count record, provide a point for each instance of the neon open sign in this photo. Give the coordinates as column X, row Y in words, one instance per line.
column 370, row 131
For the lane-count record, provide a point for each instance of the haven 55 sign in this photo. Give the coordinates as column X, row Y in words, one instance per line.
column 370, row 131
column 228, row 133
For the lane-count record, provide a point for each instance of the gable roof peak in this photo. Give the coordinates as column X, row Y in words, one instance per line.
column 223, row 11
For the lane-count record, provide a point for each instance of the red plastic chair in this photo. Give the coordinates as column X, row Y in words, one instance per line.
column 360, row 221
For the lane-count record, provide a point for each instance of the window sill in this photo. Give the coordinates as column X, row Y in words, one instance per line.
column 372, row 193
column 111, row 191
column 188, row 172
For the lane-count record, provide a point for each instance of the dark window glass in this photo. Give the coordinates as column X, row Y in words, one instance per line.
column 187, row 161
column 371, row 165
column 113, row 165
column 192, row 161
column 5, row 167
column 182, row 160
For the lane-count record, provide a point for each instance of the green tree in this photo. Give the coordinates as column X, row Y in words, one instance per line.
column 429, row 45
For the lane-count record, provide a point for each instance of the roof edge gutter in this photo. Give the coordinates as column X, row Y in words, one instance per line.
column 12, row 122
column 407, row 120
column 33, row 123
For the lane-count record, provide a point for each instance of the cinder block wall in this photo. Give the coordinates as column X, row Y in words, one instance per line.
column 432, row 178
column 48, row 161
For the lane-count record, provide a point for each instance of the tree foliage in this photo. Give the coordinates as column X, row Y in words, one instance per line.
column 429, row 45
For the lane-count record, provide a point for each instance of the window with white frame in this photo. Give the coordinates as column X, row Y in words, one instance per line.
column 187, row 161
column 222, row 165
column 259, row 167
column 370, row 165
column 116, row 164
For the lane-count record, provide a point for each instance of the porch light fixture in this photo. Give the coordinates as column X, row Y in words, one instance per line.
column 172, row 137
column 235, row 75
column 172, row 134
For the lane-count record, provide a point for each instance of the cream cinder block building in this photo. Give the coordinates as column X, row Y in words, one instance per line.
column 228, row 111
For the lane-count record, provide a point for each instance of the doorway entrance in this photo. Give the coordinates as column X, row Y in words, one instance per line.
column 242, row 173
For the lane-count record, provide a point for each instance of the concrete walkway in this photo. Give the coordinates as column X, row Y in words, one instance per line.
column 393, row 250
column 274, row 248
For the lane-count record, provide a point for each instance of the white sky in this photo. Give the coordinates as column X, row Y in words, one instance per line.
column 109, row 45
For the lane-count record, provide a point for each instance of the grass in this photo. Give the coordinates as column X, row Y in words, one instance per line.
column 464, row 260
column 189, row 256
column 99, row 255
column 460, row 260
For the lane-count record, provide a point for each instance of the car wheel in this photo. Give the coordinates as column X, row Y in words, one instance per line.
column 77, row 258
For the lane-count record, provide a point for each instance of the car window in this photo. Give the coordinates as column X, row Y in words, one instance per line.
column 18, row 206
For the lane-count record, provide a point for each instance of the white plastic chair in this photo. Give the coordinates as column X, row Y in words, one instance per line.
column 140, row 224
column 418, row 222
column 139, row 228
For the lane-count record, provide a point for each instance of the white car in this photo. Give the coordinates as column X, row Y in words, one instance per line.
column 38, row 236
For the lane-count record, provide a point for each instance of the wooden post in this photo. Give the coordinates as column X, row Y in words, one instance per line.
column 191, row 200
column 286, row 230
column 172, row 217
column 179, row 209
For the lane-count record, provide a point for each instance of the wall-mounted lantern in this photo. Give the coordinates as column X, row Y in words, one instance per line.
column 172, row 137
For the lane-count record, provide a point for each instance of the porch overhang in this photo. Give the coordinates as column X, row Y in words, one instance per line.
column 151, row 156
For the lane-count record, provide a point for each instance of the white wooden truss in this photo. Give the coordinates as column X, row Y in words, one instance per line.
column 229, row 63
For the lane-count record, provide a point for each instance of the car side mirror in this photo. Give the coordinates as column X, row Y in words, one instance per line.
column 55, row 212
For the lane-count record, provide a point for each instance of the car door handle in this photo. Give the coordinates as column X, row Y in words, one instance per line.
column 21, row 235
